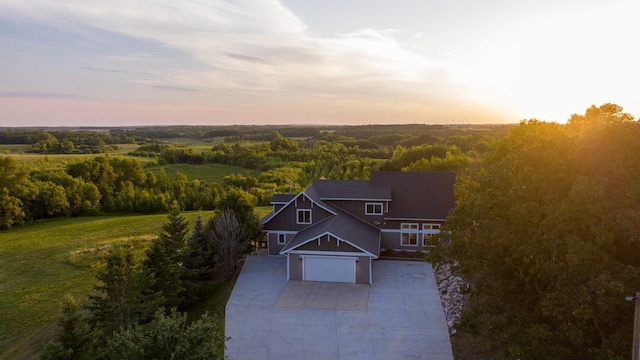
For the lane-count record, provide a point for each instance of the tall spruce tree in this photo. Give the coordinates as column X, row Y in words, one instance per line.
column 174, row 232
column 163, row 264
column 197, row 262
column 121, row 301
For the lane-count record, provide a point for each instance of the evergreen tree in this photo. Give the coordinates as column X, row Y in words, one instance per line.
column 199, row 256
column 76, row 340
column 174, row 232
column 197, row 262
column 161, row 268
column 164, row 259
column 121, row 301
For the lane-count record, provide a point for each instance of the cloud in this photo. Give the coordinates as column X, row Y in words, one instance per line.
column 173, row 88
column 35, row 94
column 254, row 47
column 103, row 70
column 252, row 59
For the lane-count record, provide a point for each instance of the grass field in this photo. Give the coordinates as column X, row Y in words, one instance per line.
column 206, row 172
column 42, row 262
column 20, row 154
column 195, row 144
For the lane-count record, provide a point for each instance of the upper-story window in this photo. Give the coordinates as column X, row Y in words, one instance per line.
column 303, row 216
column 282, row 239
column 373, row 208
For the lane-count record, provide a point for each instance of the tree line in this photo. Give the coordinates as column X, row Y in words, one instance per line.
column 546, row 231
column 65, row 141
column 103, row 184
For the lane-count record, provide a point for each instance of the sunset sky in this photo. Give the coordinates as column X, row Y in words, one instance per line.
column 215, row 62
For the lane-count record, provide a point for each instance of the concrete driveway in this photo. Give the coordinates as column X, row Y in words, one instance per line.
column 402, row 320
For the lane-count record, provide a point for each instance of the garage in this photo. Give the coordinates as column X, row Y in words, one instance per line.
column 329, row 268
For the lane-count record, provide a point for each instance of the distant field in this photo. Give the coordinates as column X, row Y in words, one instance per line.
column 6, row 149
column 206, row 172
column 42, row 262
column 195, row 144
column 19, row 153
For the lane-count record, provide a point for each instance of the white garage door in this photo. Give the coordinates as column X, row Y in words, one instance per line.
column 329, row 268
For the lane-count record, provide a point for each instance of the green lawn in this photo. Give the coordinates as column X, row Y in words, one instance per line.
column 42, row 262
column 206, row 172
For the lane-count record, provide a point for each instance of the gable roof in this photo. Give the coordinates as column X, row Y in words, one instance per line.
column 343, row 226
column 418, row 195
column 351, row 189
column 316, row 201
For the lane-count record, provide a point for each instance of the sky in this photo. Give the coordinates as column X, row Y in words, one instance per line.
column 217, row 62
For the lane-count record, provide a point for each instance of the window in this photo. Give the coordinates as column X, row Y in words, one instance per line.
column 373, row 209
column 304, row 216
column 409, row 234
column 282, row 239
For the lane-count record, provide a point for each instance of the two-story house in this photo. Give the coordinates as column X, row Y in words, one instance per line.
column 334, row 229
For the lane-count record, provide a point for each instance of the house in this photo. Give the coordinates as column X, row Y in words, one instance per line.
column 334, row 229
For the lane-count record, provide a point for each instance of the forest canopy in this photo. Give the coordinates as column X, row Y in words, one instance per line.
column 547, row 232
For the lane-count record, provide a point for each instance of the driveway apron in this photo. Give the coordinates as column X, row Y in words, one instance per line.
column 398, row 317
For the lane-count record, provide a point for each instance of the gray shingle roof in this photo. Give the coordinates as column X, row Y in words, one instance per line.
column 418, row 195
column 351, row 189
column 282, row 198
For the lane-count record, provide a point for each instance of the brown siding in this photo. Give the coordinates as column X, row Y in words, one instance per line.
column 327, row 243
column 286, row 220
column 362, row 270
column 274, row 247
column 295, row 267
column 357, row 208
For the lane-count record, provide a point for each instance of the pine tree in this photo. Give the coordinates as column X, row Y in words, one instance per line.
column 198, row 256
column 121, row 301
column 75, row 340
column 174, row 232
column 164, row 259
column 161, row 268
column 197, row 263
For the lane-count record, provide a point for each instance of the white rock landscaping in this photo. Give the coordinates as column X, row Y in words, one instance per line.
column 450, row 287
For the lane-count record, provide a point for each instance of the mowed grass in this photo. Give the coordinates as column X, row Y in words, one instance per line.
column 42, row 262
column 204, row 172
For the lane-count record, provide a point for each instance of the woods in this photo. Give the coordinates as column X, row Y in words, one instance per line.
column 547, row 233
column 136, row 183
